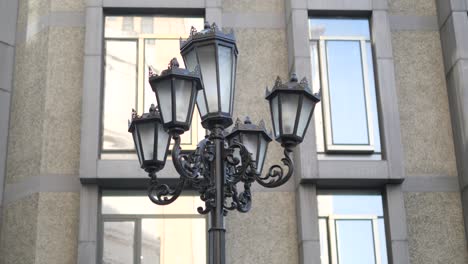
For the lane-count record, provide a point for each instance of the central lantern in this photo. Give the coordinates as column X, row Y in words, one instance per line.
column 215, row 53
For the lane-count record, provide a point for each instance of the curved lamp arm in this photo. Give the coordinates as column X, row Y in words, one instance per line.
column 163, row 194
column 276, row 175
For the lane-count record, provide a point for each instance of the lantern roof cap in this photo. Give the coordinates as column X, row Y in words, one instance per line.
column 293, row 86
column 248, row 126
column 153, row 114
column 209, row 32
column 173, row 70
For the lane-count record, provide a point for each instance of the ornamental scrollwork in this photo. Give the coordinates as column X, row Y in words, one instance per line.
column 240, row 171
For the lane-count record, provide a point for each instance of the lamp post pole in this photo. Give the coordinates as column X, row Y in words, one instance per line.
column 224, row 166
column 217, row 232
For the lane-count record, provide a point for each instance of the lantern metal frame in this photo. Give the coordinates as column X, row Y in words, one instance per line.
column 153, row 117
column 222, row 169
column 293, row 87
column 173, row 73
column 213, row 36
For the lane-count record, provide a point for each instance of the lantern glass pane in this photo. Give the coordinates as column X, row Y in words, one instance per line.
column 191, row 60
column 261, row 154
column 250, row 141
column 164, row 92
column 275, row 112
column 137, row 145
column 207, row 60
column 289, row 104
column 163, row 138
column 183, row 93
column 201, row 103
column 306, row 112
column 225, row 76
column 146, row 131
column 233, row 82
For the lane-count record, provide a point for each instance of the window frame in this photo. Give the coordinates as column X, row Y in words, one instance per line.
column 137, row 219
column 326, row 104
column 140, row 39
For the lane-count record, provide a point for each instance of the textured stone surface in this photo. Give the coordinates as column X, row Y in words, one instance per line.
column 262, row 57
column 230, row 6
column 18, row 237
column 265, row 235
column 67, row 5
column 435, row 228
column 26, row 121
column 57, row 228
column 413, row 7
column 424, row 113
column 63, row 101
column 46, row 105
column 31, row 10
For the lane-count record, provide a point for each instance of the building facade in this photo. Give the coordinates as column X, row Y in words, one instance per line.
column 387, row 186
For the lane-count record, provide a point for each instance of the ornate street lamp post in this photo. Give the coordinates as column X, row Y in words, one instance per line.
column 222, row 161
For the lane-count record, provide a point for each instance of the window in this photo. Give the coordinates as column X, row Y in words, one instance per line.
column 134, row 230
column 342, row 65
column 352, row 229
column 131, row 45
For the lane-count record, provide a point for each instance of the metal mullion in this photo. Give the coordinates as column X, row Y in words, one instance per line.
column 140, row 75
column 376, row 238
column 325, row 94
column 137, row 242
column 333, row 245
column 365, row 71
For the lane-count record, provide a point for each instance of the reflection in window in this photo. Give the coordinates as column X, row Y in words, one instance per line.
column 342, row 65
column 132, row 44
column 352, row 229
column 137, row 231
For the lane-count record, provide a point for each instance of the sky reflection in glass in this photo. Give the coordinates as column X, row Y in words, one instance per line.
column 333, row 27
column 347, row 96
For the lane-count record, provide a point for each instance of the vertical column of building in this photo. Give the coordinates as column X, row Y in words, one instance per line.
column 8, row 13
column 305, row 155
column 41, row 199
column 431, row 196
column 453, row 25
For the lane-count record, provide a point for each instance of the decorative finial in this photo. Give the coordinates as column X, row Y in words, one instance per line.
column 304, row 81
column 207, row 25
column 293, row 77
column 238, row 122
column 151, row 71
column 278, row 81
column 214, row 27
column 247, row 120
column 193, row 31
column 152, row 109
column 134, row 114
column 319, row 94
column 173, row 64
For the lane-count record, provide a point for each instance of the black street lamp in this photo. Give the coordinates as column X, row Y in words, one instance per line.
column 222, row 161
